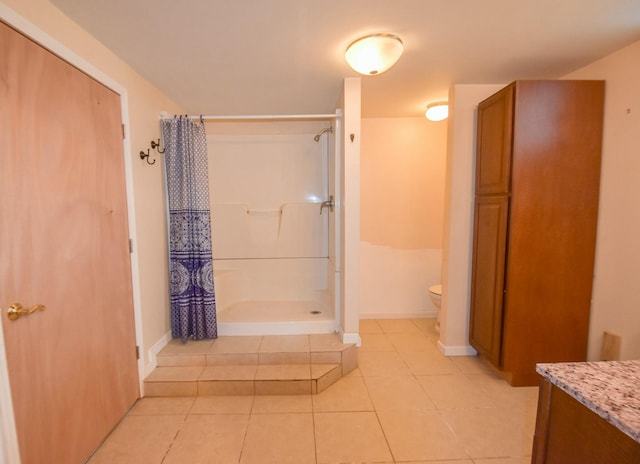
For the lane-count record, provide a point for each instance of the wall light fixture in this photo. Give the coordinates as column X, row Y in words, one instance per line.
column 437, row 111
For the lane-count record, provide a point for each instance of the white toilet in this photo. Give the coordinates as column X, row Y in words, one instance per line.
column 435, row 293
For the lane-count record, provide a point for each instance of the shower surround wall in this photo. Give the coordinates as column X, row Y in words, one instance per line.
column 270, row 236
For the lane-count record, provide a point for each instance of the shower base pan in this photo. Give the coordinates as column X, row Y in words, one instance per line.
column 276, row 318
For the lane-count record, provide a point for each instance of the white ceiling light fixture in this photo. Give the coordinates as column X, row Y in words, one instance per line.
column 374, row 54
column 437, row 111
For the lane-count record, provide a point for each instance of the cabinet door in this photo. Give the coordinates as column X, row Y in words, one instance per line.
column 494, row 143
column 487, row 285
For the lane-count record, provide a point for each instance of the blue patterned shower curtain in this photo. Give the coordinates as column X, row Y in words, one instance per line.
column 193, row 303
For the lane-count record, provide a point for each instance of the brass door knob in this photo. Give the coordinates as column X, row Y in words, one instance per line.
column 16, row 311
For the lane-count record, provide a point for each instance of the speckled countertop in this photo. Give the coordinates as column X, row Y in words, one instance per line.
column 611, row 389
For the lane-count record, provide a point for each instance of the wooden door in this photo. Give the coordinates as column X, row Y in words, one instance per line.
column 494, row 143
column 63, row 244
column 488, row 270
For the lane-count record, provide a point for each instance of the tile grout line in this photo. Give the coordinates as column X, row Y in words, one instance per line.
column 184, row 421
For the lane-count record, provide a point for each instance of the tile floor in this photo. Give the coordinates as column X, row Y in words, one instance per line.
column 248, row 365
column 406, row 403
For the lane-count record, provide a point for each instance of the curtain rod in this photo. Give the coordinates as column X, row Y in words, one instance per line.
column 257, row 117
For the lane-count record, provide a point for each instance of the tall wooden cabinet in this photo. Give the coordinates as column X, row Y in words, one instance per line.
column 536, row 204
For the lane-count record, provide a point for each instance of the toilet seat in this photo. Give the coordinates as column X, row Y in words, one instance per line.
column 436, row 289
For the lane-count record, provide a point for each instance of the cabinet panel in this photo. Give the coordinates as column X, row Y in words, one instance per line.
column 487, row 286
column 569, row 433
column 493, row 148
column 539, row 145
column 552, row 223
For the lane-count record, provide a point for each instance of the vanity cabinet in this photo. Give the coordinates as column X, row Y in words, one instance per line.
column 588, row 413
column 536, row 202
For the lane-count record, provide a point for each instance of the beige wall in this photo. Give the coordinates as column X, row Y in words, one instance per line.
column 401, row 217
column 402, row 185
column 349, row 103
column 144, row 103
column 458, row 228
column 616, row 302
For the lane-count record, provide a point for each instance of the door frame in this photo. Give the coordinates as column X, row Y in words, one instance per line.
column 8, row 437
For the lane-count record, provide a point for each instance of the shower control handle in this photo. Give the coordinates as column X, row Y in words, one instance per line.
column 328, row 204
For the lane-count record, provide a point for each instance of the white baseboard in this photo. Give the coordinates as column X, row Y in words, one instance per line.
column 402, row 315
column 463, row 350
column 153, row 351
column 350, row 337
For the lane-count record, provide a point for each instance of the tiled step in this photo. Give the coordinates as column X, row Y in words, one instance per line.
column 248, row 365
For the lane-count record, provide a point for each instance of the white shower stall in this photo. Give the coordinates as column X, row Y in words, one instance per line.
column 274, row 214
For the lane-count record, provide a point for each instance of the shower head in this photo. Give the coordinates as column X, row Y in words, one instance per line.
column 326, row 129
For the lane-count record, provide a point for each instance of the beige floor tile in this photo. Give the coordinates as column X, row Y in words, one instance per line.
column 454, row 391
column 282, row 404
column 175, row 346
column 378, row 407
column 175, row 374
column 521, row 460
column 283, row 387
column 244, row 344
column 162, row 406
column 466, row 461
column 375, row 342
column 426, row 325
column 279, row 439
column 347, row 394
column 228, row 373
column 490, row 432
column 139, row 440
column 420, row 435
column 325, row 375
column 429, row 363
column 226, row 387
column 383, row 363
column 226, row 359
column 326, row 357
column 349, row 437
column 504, row 394
column 284, row 372
column 520, row 416
column 410, row 342
column 369, row 326
column 398, row 326
column 398, row 394
column 222, row 405
column 160, row 389
column 301, row 357
column 167, row 360
column 349, row 360
column 319, row 370
column 326, row 342
column 284, row 343
column 472, row 365
column 354, row 373
column 529, row 415
column 215, row 439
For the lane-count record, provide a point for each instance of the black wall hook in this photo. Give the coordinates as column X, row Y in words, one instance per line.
column 156, row 146
column 144, row 155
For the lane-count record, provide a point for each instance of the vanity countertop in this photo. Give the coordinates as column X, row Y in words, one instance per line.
column 610, row 389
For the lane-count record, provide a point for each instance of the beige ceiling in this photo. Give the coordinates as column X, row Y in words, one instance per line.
column 286, row 56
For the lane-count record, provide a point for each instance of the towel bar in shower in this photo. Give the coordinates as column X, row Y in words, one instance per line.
column 277, row 211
